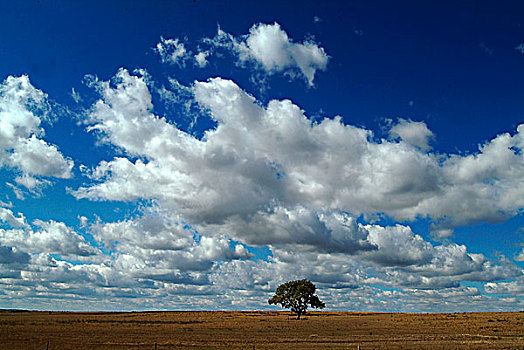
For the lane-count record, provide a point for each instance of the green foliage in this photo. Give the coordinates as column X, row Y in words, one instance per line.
column 297, row 295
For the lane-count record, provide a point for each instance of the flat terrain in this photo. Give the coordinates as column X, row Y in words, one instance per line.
column 260, row 330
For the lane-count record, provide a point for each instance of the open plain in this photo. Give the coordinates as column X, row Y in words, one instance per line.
column 259, row 330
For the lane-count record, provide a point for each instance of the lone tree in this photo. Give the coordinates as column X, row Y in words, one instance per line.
column 297, row 295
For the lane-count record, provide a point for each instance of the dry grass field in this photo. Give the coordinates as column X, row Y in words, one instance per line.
column 259, row 330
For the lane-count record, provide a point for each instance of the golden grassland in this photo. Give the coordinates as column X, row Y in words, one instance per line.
column 259, row 330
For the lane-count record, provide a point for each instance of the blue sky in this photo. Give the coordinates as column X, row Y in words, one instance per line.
column 195, row 155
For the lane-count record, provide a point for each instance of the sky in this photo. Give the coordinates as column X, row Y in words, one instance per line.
column 193, row 155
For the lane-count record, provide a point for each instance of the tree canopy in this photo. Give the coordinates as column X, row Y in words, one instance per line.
column 297, row 295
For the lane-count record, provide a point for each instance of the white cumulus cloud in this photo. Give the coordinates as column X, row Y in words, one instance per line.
column 269, row 46
column 22, row 110
column 262, row 160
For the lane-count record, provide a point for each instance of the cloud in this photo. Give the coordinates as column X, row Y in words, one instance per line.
column 457, row 298
column 520, row 48
column 33, row 184
column 400, row 258
column 267, row 47
column 154, row 255
column 271, row 49
column 270, row 159
column 162, row 244
column 35, row 156
column 398, row 246
column 346, row 281
column 158, row 262
column 155, row 246
column 48, row 237
column 407, row 260
column 172, row 51
column 520, row 257
column 515, row 288
column 414, row 133
column 7, row 216
column 75, row 96
column 326, row 232
column 22, row 110
column 129, row 283
column 201, row 58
